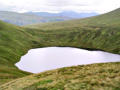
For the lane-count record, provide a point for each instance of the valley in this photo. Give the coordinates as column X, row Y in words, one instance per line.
column 94, row 33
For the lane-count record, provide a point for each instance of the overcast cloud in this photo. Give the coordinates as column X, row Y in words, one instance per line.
column 99, row 6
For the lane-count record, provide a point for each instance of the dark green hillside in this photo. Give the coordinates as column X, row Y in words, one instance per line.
column 14, row 42
column 100, row 32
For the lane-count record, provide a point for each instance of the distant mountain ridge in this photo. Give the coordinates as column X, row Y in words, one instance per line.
column 40, row 17
column 25, row 19
column 70, row 14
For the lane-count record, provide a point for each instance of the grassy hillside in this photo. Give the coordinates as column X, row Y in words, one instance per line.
column 108, row 19
column 89, row 77
column 25, row 19
column 100, row 32
column 14, row 42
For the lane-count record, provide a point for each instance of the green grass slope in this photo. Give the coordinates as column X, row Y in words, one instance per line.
column 107, row 19
column 100, row 32
column 14, row 42
column 89, row 77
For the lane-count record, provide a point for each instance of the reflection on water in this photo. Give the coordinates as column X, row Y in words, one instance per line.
column 42, row 59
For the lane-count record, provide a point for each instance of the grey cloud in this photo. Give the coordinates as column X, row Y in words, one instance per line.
column 64, row 3
column 59, row 5
column 5, row 8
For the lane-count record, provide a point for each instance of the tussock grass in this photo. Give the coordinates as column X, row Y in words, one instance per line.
column 104, row 76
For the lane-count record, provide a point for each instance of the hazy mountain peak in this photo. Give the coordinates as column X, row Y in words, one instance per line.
column 71, row 14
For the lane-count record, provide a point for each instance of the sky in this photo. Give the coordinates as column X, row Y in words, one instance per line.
column 55, row 6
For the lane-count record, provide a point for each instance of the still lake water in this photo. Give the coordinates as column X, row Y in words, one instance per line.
column 42, row 59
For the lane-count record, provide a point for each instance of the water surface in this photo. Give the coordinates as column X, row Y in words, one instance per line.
column 42, row 59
